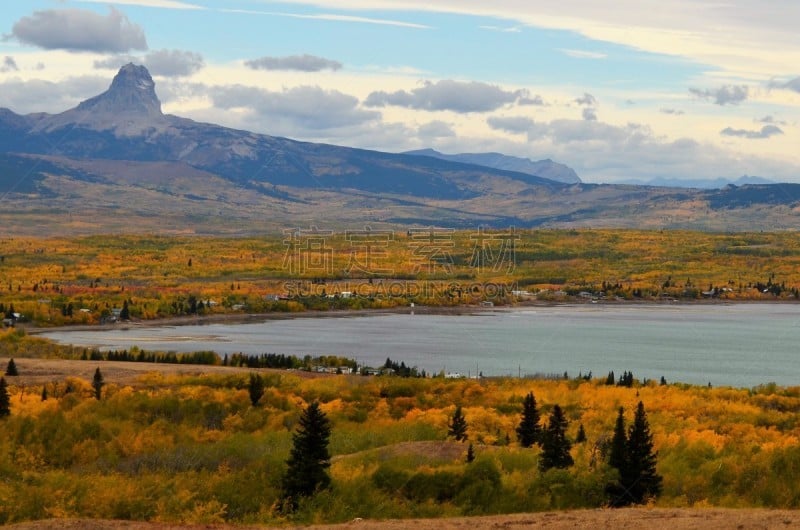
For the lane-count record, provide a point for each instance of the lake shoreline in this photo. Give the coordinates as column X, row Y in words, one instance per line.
column 254, row 318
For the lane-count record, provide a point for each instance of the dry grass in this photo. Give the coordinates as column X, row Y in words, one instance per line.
column 40, row 371
column 640, row 518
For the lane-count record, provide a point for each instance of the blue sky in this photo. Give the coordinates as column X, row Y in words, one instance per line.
column 641, row 90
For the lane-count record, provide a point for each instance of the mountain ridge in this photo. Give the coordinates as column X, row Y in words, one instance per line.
column 126, row 123
column 119, row 164
column 543, row 168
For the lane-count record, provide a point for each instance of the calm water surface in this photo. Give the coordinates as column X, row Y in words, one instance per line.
column 741, row 345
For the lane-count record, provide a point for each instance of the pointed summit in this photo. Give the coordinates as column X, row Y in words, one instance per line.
column 132, row 91
column 128, row 108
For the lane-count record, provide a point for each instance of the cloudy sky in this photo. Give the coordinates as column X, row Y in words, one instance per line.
column 647, row 89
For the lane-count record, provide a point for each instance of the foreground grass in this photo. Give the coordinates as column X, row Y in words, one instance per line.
column 185, row 445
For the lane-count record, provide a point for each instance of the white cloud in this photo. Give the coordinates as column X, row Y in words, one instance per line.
column 582, row 54
column 305, row 107
column 765, row 132
column 332, row 18
column 168, row 63
column 436, row 129
column 8, row 65
column 513, row 125
column 586, row 99
column 457, row 96
column 299, row 63
column 724, row 95
column 80, row 30
column 37, row 95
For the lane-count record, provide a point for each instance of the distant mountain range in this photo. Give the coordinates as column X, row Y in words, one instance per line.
column 709, row 184
column 542, row 168
column 117, row 163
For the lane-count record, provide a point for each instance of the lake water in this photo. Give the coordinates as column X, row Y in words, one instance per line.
column 740, row 345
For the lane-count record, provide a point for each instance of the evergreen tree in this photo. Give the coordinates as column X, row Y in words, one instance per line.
column 642, row 482
column 529, row 431
column 618, row 456
column 555, row 445
column 5, row 400
column 633, row 456
column 256, row 388
column 470, row 454
column 581, row 437
column 44, row 392
column 11, row 368
column 618, row 459
column 309, row 458
column 458, row 426
column 97, row 383
column 125, row 313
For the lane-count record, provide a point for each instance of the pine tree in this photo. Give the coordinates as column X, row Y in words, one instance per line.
column 97, row 383
column 618, row 456
column 643, row 481
column 581, row 437
column 256, row 388
column 470, row 454
column 5, row 400
column 458, row 426
column 11, row 368
column 555, row 445
column 617, row 492
column 309, row 458
column 529, row 431
column 125, row 312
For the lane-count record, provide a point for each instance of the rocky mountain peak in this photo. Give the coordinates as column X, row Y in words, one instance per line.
column 132, row 91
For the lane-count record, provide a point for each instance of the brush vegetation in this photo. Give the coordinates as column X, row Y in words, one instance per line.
column 194, row 448
column 88, row 280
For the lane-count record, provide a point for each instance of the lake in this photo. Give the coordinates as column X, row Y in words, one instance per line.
column 740, row 345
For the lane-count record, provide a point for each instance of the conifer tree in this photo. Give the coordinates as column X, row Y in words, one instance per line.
column 633, row 456
column 44, row 392
column 618, row 459
column 470, row 454
column 255, row 388
column 125, row 312
column 97, row 383
column 555, row 445
column 643, row 481
column 581, row 436
column 529, row 431
column 309, row 459
column 458, row 426
column 11, row 368
column 5, row 400
column 619, row 444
